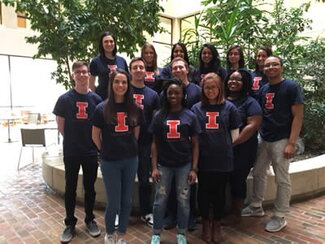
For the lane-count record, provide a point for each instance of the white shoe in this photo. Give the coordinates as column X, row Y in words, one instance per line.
column 116, row 221
column 148, row 219
column 109, row 239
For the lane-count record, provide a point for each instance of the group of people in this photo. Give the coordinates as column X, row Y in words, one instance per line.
column 178, row 125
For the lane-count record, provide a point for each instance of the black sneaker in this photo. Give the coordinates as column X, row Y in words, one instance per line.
column 93, row 229
column 68, row 233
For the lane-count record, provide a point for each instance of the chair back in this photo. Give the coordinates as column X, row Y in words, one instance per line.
column 32, row 137
column 34, row 118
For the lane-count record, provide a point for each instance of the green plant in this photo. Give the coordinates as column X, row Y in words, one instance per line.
column 68, row 30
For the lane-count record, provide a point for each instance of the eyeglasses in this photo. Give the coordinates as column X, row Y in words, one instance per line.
column 268, row 65
column 79, row 72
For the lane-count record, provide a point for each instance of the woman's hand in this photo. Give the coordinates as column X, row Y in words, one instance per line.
column 191, row 177
column 155, row 175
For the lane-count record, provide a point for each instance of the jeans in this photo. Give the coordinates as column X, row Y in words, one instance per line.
column 119, row 179
column 145, row 187
column 272, row 152
column 183, row 193
column 89, row 168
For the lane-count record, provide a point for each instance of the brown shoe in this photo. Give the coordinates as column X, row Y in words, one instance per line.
column 207, row 230
column 216, row 232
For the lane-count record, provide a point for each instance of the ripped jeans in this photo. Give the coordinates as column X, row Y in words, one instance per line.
column 163, row 189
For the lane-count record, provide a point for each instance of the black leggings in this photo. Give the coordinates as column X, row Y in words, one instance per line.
column 211, row 193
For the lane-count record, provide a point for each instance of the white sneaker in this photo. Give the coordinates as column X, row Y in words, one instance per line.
column 148, row 219
column 275, row 224
column 109, row 239
column 121, row 241
column 116, row 221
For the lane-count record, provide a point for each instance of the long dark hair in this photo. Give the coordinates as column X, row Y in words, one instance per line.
column 182, row 45
column 109, row 110
column 155, row 65
column 241, row 61
column 164, row 104
column 217, row 78
column 100, row 44
column 268, row 51
column 214, row 64
column 247, row 83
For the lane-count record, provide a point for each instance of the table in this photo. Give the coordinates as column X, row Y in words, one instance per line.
column 10, row 119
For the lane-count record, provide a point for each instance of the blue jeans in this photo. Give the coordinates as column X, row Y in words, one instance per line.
column 119, row 179
column 183, row 193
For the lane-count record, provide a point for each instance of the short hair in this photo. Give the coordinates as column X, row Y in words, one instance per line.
column 78, row 64
column 275, row 56
column 217, row 78
column 100, row 44
column 137, row 59
column 179, row 59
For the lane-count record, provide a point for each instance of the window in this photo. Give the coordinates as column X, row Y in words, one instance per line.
column 21, row 19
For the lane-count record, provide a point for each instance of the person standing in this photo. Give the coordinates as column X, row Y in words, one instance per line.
column 235, row 58
column 105, row 63
column 175, row 152
column 259, row 79
column 74, row 111
column 115, row 132
column 148, row 100
column 219, row 121
column 282, row 103
column 237, row 88
column 149, row 55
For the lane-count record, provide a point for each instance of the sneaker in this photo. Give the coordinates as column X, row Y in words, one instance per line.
column 181, row 239
column 252, row 211
column 121, row 241
column 148, row 219
column 93, row 229
column 275, row 224
column 109, row 239
column 155, row 239
column 116, row 221
column 68, row 233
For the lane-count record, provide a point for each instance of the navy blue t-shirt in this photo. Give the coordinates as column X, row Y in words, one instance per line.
column 77, row 110
column 101, row 66
column 152, row 80
column 148, row 101
column 118, row 140
column 259, row 79
column 201, row 73
column 173, row 137
column 276, row 101
column 216, row 121
column 245, row 153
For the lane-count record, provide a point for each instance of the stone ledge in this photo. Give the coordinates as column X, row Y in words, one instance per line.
column 307, row 177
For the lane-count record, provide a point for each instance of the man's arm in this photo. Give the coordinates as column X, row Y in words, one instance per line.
column 92, row 80
column 297, row 111
column 60, row 122
column 96, row 133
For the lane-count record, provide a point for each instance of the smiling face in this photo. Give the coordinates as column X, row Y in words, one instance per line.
column 178, row 52
column 234, row 56
column 206, row 55
column 149, row 56
column 138, row 70
column 273, row 68
column 119, row 86
column 235, row 83
column 211, row 90
column 108, row 44
column 261, row 56
column 179, row 70
column 81, row 76
column 174, row 95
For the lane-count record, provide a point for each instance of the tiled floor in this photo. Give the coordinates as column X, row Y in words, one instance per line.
column 32, row 213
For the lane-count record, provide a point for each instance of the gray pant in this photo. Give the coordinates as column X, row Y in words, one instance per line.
column 272, row 153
